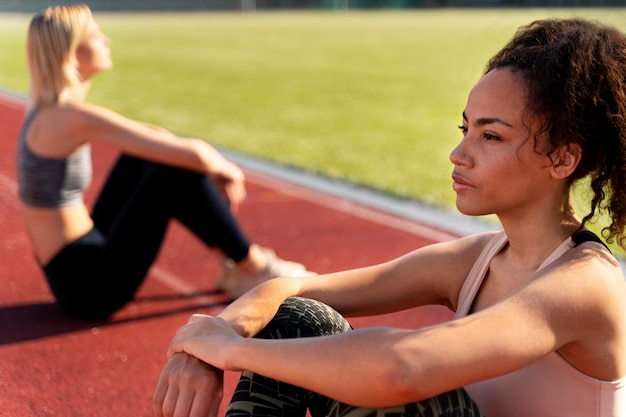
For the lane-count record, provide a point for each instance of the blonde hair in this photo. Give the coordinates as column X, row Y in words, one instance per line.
column 53, row 37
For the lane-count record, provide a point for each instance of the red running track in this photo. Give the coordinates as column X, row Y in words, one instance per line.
column 54, row 366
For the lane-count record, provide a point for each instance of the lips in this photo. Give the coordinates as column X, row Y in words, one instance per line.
column 460, row 184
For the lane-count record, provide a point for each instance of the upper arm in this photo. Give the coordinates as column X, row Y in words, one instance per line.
column 138, row 139
column 68, row 126
column 568, row 305
column 433, row 274
column 503, row 338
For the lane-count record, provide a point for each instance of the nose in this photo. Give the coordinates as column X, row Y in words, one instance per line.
column 459, row 155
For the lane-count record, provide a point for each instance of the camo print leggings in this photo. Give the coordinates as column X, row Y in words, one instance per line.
column 257, row 396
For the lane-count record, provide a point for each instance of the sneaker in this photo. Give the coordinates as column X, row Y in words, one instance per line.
column 235, row 283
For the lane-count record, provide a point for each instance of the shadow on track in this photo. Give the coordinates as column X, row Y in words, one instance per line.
column 37, row 320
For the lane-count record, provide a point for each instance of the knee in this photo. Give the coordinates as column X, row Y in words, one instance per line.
column 303, row 317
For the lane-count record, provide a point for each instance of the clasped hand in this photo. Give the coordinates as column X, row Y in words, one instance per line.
column 207, row 338
column 230, row 181
column 191, row 384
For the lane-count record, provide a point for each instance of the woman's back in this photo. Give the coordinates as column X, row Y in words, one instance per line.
column 51, row 191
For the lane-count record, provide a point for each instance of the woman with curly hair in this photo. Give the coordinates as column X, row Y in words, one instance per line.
column 95, row 261
column 539, row 324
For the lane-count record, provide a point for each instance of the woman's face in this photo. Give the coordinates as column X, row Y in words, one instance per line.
column 497, row 167
column 93, row 54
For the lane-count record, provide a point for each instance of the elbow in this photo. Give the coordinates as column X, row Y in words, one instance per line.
column 401, row 386
column 399, row 382
column 408, row 379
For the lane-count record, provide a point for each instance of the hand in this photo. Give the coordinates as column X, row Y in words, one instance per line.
column 208, row 339
column 229, row 179
column 188, row 387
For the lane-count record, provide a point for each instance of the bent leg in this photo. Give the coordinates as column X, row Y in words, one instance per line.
column 258, row 396
column 140, row 197
column 135, row 208
column 99, row 273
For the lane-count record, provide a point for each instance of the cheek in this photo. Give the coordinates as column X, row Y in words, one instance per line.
column 93, row 58
column 84, row 55
column 500, row 182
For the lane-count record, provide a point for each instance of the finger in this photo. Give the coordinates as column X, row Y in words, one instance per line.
column 184, row 402
column 215, row 408
column 158, row 397
column 166, row 405
column 174, row 348
column 197, row 317
column 205, row 406
column 238, row 193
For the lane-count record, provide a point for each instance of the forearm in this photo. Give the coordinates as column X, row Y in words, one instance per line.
column 357, row 368
column 250, row 313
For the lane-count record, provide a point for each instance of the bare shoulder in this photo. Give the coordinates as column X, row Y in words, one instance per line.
column 71, row 124
column 69, row 111
column 473, row 243
column 52, row 130
column 443, row 267
column 461, row 253
column 586, row 280
column 582, row 298
column 589, row 265
column 449, row 258
column 77, row 115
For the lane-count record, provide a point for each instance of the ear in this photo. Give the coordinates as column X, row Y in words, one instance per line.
column 566, row 160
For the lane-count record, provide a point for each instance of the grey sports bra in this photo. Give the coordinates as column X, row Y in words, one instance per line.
column 51, row 182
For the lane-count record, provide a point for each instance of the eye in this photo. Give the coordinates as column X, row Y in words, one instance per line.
column 490, row 136
column 463, row 129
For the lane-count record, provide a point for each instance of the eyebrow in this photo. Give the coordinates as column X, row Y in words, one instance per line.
column 488, row 120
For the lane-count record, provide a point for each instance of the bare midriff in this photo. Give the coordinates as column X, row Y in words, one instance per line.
column 50, row 230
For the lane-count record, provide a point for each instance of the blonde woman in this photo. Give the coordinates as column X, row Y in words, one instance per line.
column 95, row 261
column 540, row 311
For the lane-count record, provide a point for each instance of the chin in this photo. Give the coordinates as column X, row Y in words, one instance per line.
column 471, row 211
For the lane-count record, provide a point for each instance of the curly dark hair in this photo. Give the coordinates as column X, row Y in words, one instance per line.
column 575, row 74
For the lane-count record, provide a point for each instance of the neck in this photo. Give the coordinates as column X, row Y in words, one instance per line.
column 535, row 235
column 79, row 91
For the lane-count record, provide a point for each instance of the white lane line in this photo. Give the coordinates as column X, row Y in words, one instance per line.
column 178, row 285
column 349, row 207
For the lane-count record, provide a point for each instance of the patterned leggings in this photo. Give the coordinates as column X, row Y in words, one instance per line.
column 256, row 395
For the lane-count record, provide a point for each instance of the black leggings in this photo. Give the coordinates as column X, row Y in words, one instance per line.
column 259, row 396
column 97, row 274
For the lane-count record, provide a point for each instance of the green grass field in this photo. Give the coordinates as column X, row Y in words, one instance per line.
column 373, row 98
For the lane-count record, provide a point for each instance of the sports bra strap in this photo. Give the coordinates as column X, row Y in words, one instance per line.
column 582, row 236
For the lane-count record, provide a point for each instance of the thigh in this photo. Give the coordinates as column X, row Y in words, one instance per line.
column 131, row 212
column 140, row 197
column 122, row 182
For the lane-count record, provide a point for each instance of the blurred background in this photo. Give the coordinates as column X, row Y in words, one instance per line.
column 363, row 92
column 252, row 5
